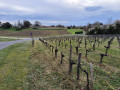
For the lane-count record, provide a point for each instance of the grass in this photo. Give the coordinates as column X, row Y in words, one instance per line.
column 46, row 71
column 72, row 31
column 12, row 29
column 44, row 29
column 14, row 66
column 36, row 32
column 51, row 29
column 9, row 29
column 106, row 75
column 6, row 39
column 37, row 68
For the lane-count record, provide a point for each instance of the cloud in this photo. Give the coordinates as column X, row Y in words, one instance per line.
column 23, row 9
column 56, row 22
column 58, row 11
column 93, row 8
column 81, row 4
column 16, row 8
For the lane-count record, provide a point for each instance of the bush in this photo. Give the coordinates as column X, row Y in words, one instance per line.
column 69, row 27
column 6, row 25
column 79, row 32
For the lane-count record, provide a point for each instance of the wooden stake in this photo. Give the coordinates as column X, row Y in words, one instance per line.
column 91, row 70
column 78, row 66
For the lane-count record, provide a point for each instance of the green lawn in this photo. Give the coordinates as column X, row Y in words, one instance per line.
column 72, row 31
column 14, row 62
column 51, row 29
column 6, row 39
column 12, row 29
column 9, row 29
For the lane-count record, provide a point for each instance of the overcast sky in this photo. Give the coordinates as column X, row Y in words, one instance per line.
column 67, row 12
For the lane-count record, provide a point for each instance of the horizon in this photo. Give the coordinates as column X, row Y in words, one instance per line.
column 65, row 12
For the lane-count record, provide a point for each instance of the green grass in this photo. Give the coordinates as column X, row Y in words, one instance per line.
column 45, row 71
column 36, row 68
column 9, row 29
column 106, row 75
column 72, row 31
column 6, row 39
column 44, row 29
column 13, row 29
column 51, row 29
column 14, row 66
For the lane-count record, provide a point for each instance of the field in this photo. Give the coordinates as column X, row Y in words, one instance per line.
column 36, row 33
column 49, row 28
column 72, row 31
column 35, row 67
column 6, row 39
column 39, row 32
column 106, row 74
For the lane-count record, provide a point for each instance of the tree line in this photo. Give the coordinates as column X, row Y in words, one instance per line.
column 19, row 25
column 95, row 28
column 98, row 28
column 25, row 24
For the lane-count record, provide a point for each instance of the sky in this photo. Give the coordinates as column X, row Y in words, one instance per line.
column 65, row 12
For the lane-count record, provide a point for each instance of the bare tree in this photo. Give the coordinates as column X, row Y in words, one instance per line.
column 117, row 22
column 89, row 25
column 19, row 24
column 109, row 21
column 97, row 24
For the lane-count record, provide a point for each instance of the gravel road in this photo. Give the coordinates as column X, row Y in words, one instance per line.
column 8, row 43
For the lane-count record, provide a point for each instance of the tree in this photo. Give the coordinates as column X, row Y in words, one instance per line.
column 52, row 25
column 97, row 24
column 18, row 26
column 117, row 22
column 6, row 25
column 26, row 24
column 69, row 27
column 73, row 26
column 61, row 26
column 89, row 25
column 0, row 24
column 109, row 21
column 37, row 24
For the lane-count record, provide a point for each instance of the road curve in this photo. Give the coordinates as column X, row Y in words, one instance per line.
column 8, row 43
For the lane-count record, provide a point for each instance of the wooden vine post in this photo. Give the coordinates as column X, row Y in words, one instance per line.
column 32, row 42
column 107, row 47
column 93, row 47
column 62, row 56
column 71, row 62
column 70, row 57
column 56, row 50
column 79, row 66
column 76, row 49
column 91, row 72
column 88, row 50
column 102, row 55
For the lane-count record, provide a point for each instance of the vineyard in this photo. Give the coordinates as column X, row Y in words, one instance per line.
column 59, row 45
column 76, row 62
column 36, row 33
